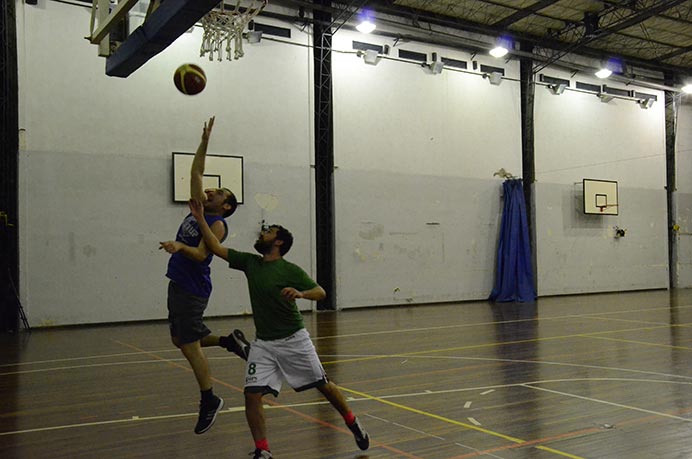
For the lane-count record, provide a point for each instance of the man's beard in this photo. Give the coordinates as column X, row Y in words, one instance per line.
column 263, row 247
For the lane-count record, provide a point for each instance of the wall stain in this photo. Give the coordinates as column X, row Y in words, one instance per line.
column 373, row 233
column 71, row 247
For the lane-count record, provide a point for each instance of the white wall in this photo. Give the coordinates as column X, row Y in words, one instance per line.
column 95, row 165
column 683, row 195
column 417, row 206
column 577, row 136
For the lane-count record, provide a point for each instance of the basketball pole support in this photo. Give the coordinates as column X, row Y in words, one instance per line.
column 528, row 163
column 324, row 158
column 671, row 116
column 323, row 29
column 10, row 307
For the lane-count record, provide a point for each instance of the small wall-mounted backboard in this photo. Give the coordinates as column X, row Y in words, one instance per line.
column 600, row 197
column 219, row 172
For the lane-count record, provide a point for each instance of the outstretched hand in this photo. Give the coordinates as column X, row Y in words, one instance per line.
column 196, row 208
column 206, row 131
column 170, row 246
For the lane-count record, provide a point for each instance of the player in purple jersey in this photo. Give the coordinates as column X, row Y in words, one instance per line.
column 190, row 284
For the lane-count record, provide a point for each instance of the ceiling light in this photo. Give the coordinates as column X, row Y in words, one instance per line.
column 498, row 51
column 366, row 26
column 610, row 66
column 366, row 21
column 502, row 47
column 604, row 73
column 687, row 89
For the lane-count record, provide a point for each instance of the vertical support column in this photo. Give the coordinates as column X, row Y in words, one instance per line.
column 528, row 166
column 9, row 172
column 671, row 116
column 324, row 156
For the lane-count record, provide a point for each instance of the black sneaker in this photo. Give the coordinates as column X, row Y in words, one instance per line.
column 361, row 436
column 207, row 414
column 261, row 454
column 238, row 344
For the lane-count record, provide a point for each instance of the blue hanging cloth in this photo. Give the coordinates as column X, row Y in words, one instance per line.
column 514, row 275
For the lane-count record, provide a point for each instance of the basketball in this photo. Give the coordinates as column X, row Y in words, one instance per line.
column 189, row 79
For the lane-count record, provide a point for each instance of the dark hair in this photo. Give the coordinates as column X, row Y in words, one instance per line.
column 284, row 235
column 231, row 199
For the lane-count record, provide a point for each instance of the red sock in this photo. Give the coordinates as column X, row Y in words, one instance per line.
column 350, row 418
column 262, row 444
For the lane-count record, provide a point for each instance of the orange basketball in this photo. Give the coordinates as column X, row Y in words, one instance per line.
column 189, row 79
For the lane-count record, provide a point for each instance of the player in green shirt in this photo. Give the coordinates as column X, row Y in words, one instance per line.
column 282, row 348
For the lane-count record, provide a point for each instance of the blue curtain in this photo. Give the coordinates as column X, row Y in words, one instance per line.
column 514, row 275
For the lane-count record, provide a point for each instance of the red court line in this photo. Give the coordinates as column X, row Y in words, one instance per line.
column 276, row 404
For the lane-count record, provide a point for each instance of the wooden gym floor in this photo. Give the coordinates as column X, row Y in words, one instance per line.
column 592, row 376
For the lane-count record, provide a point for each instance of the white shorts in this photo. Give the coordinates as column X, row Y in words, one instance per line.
column 293, row 359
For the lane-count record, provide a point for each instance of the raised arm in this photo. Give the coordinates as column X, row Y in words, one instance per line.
column 197, row 169
column 209, row 238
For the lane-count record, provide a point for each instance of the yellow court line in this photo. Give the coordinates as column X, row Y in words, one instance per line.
column 452, row 421
column 479, row 346
column 667, row 346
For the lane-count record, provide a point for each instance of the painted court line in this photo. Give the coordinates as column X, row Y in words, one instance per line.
column 475, row 450
column 403, row 331
column 458, row 423
column 345, row 430
column 604, row 402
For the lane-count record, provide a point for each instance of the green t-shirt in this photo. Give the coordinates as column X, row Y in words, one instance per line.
column 275, row 317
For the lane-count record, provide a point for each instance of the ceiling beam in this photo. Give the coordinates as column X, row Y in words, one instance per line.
column 523, row 13
column 676, row 53
column 599, row 33
column 637, row 18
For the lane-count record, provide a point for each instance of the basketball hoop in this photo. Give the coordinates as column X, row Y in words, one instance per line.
column 227, row 27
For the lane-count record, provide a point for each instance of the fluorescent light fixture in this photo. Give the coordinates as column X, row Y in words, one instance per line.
column 610, row 66
column 687, row 89
column 604, row 73
column 366, row 26
column 502, row 47
column 499, row 51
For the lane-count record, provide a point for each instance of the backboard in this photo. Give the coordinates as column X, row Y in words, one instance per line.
column 600, row 197
column 165, row 21
column 219, row 172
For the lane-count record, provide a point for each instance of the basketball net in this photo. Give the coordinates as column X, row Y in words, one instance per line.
column 226, row 27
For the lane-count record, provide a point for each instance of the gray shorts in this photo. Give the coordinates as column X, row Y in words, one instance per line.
column 185, row 312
